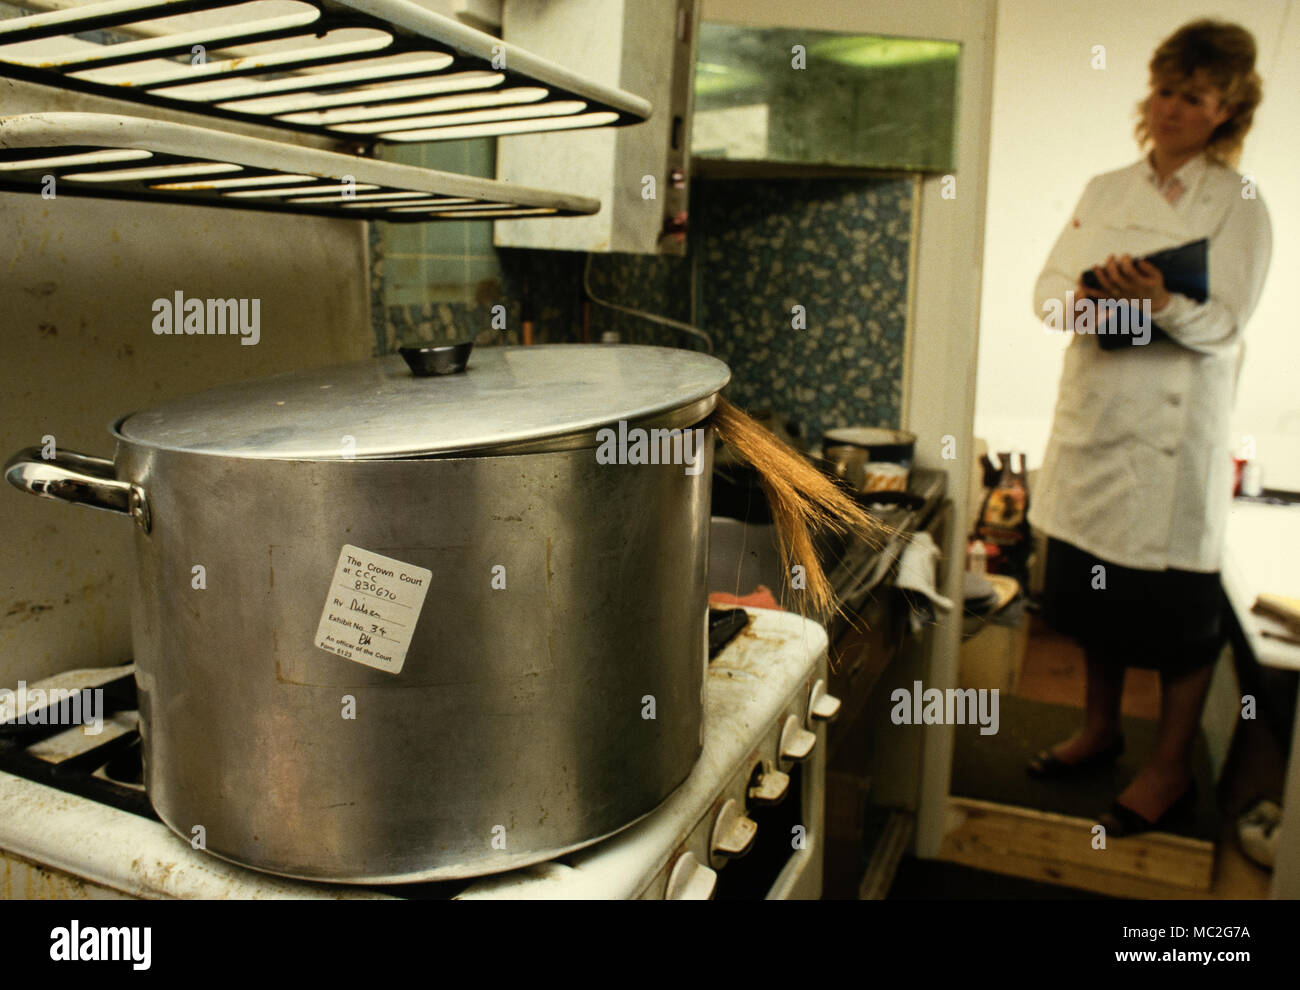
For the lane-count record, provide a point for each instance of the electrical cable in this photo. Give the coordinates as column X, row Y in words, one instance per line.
column 687, row 328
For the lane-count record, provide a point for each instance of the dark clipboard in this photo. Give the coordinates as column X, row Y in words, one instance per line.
column 1186, row 269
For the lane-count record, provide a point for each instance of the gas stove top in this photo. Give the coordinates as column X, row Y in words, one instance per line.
column 79, row 822
column 855, row 567
column 78, row 732
column 744, row 554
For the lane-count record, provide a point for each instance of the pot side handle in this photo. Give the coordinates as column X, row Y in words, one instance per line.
column 80, row 479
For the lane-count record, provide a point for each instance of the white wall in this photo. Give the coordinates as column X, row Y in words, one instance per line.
column 77, row 281
column 1056, row 123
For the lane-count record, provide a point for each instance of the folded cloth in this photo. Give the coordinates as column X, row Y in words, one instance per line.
column 760, row 597
column 918, row 567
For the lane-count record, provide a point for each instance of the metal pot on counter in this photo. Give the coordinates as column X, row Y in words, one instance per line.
column 390, row 627
column 870, row 459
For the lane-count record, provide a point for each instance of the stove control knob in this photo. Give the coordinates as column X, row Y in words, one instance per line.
column 796, row 742
column 770, row 787
column 690, row 880
column 822, row 707
column 733, row 834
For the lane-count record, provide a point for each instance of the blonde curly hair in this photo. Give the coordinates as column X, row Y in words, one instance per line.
column 1227, row 54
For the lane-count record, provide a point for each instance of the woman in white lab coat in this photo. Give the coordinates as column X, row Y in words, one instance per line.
column 1135, row 485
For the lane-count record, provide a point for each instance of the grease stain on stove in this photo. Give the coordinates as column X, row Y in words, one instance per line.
column 154, row 875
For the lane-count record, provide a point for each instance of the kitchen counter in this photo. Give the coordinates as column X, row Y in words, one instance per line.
column 744, row 551
column 1263, row 555
column 859, row 567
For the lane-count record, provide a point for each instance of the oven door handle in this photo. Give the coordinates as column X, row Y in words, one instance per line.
column 80, row 479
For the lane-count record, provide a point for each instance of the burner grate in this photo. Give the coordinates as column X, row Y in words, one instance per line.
column 42, row 744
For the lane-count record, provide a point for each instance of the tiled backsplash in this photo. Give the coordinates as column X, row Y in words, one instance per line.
column 758, row 249
column 837, row 248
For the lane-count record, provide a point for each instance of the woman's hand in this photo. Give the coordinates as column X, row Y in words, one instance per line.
column 1125, row 278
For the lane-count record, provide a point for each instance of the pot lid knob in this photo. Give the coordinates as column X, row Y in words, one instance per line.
column 439, row 359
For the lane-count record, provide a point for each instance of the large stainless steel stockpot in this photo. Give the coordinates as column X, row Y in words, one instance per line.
column 552, row 606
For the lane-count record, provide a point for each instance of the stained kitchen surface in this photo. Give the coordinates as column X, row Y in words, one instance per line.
column 588, row 449
column 762, row 668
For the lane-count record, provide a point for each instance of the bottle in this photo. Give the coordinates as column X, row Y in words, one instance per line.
column 1003, row 519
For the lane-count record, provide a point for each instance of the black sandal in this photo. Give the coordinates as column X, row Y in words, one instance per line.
column 1045, row 766
column 1122, row 821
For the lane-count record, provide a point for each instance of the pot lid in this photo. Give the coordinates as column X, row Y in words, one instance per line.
column 867, row 436
column 508, row 399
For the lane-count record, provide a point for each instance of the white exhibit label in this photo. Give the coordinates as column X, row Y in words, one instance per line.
column 373, row 605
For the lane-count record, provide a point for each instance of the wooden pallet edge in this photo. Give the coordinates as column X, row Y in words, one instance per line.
column 1060, row 844
column 1075, row 877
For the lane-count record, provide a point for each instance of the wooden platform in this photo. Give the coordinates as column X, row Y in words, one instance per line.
column 1051, row 848
column 1002, row 820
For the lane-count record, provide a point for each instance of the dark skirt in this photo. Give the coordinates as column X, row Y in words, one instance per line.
column 1170, row 620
